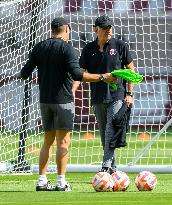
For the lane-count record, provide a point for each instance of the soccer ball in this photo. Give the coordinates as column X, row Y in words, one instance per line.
column 121, row 181
column 145, row 181
column 102, row 182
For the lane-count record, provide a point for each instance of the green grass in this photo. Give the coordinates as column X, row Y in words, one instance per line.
column 21, row 190
column 84, row 151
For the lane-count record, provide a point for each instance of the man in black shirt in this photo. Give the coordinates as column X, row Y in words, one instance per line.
column 57, row 66
column 106, row 54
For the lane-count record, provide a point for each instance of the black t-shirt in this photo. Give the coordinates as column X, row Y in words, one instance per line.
column 57, row 67
column 115, row 56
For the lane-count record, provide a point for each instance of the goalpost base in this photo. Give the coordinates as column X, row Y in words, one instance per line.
column 96, row 168
column 8, row 168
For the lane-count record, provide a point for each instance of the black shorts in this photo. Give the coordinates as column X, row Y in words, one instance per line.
column 57, row 116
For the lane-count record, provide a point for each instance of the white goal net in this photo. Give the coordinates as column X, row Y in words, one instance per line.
column 146, row 25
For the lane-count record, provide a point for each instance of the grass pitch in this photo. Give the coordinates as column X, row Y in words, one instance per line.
column 21, row 190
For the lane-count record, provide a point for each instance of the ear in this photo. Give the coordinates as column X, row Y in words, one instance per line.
column 66, row 29
column 95, row 29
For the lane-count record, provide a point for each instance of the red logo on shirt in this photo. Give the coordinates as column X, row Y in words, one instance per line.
column 113, row 52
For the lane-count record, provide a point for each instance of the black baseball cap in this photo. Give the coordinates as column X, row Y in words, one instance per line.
column 59, row 21
column 103, row 21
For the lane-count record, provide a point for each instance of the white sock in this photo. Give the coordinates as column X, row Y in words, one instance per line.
column 61, row 180
column 42, row 180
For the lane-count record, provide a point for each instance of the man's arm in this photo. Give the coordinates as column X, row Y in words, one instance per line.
column 106, row 77
column 89, row 77
column 77, row 73
column 128, row 62
column 130, row 89
column 130, row 85
column 28, row 67
column 75, row 87
column 27, row 70
column 76, row 84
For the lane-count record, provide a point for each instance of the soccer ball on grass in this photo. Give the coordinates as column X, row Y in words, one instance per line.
column 102, row 182
column 121, row 181
column 145, row 181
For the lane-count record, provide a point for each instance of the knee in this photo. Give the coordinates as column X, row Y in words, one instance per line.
column 64, row 143
column 63, row 147
column 49, row 139
column 48, row 145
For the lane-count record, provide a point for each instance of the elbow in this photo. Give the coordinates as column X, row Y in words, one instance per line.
column 78, row 77
column 23, row 75
column 131, row 66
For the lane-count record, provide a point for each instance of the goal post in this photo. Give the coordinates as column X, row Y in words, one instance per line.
column 145, row 26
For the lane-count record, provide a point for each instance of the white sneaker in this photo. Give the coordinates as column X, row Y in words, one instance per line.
column 67, row 187
column 47, row 187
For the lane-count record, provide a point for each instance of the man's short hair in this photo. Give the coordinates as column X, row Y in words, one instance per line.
column 59, row 22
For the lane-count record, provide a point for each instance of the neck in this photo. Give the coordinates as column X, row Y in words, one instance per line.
column 101, row 43
column 59, row 36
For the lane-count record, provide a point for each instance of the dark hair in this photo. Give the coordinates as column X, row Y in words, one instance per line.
column 58, row 30
column 58, row 25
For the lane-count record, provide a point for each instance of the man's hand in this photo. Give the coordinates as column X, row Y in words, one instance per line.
column 129, row 100
column 75, row 86
column 109, row 78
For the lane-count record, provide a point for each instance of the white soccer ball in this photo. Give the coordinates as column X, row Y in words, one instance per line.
column 121, row 181
column 145, row 181
column 102, row 182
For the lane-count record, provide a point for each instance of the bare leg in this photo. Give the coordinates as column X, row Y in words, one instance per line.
column 46, row 150
column 63, row 142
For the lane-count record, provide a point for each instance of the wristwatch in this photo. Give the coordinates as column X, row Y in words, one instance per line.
column 129, row 93
column 101, row 78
